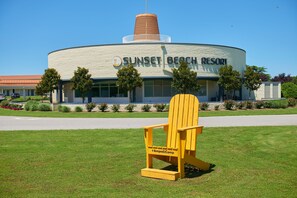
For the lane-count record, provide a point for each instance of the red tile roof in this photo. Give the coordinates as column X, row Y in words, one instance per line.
column 24, row 80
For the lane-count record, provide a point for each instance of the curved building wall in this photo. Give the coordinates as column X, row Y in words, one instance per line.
column 99, row 59
column 152, row 60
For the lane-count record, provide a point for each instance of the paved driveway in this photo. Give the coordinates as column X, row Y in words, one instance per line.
column 31, row 123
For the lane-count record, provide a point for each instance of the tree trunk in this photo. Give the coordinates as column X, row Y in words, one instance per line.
column 51, row 97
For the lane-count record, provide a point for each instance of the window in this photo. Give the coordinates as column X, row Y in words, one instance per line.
column 203, row 88
column 157, row 88
column 105, row 89
column 95, row 92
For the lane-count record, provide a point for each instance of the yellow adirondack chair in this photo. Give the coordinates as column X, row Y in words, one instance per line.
column 182, row 130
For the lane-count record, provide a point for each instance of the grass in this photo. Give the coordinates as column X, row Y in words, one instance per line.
column 250, row 162
column 6, row 112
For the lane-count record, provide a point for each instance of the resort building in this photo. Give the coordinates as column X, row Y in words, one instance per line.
column 154, row 55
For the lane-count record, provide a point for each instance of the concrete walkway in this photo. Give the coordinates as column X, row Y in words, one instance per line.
column 31, row 123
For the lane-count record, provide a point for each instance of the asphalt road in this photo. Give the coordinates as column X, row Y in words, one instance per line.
column 32, row 123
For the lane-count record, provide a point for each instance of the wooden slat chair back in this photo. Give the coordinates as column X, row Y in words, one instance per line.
column 183, row 112
column 182, row 130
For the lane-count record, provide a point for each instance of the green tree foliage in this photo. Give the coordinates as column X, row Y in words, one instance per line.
column 229, row 79
column 262, row 71
column 294, row 79
column 184, row 80
column 82, row 81
column 289, row 90
column 252, row 80
column 49, row 82
column 129, row 79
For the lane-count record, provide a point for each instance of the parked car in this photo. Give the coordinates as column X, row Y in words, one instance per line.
column 2, row 97
column 15, row 95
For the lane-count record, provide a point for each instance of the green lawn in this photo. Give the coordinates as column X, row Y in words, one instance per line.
column 6, row 112
column 250, row 162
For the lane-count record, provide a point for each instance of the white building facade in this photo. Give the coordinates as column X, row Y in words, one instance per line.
column 153, row 60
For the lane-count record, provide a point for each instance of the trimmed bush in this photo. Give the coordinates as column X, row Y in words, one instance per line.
column 90, row 106
column 276, row 104
column 267, row 104
column 240, row 105
column 289, row 90
column 103, row 107
column 217, row 107
column 292, row 102
column 130, row 107
column 204, row 106
column 146, row 108
column 160, row 107
column 249, row 104
column 229, row 104
column 44, row 107
column 259, row 104
column 115, row 108
column 78, row 109
column 31, row 105
column 60, row 107
column 167, row 108
column 66, row 109
column 4, row 103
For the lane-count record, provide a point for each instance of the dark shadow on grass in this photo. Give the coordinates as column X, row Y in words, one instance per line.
column 191, row 171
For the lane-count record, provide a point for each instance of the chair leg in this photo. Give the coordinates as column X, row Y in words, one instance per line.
column 149, row 161
column 181, row 167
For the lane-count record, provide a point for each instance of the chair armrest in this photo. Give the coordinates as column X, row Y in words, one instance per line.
column 155, row 126
column 180, row 130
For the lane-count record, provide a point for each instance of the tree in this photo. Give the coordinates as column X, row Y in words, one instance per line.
column 294, row 80
column 252, row 80
column 49, row 82
column 129, row 79
column 282, row 78
column 229, row 79
column 262, row 71
column 184, row 80
column 289, row 90
column 82, row 82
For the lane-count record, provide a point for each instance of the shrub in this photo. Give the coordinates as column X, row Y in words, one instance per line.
column 167, row 108
column 267, row 104
column 65, row 109
column 160, row 107
column 217, row 107
column 146, row 108
column 204, row 106
column 240, row 105
column 292, row 102
column 31, row 105
column 115, row 108
column 90, row 106
column 229, row 104
column 4, row 103
column 259, row 104
column 249, row 104
column 44, row 107
column 130, row 107
column 103, row 107
column 60, row 107
column 289, row 90
column 277, row 104
column 78, row 109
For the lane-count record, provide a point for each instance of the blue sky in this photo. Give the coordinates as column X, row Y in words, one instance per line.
column 30, row 29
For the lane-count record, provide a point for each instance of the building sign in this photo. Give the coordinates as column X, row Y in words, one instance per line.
column 169, row 60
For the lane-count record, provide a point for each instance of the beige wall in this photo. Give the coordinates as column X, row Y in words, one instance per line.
column 99, row 59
